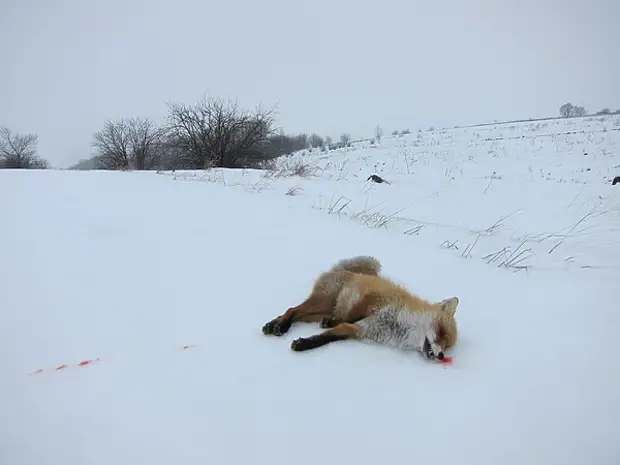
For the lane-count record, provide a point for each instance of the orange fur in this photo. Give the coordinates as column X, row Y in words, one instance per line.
column 343, row 297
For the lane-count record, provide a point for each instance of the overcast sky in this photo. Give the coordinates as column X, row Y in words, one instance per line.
column 330, row 65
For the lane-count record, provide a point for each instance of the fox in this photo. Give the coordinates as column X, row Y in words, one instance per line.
column 353, row 301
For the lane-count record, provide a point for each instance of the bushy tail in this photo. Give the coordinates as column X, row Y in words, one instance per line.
column 362, row 264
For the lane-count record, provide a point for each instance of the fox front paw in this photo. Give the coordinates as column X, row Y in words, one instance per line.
column 276, row 327
column 300, row 344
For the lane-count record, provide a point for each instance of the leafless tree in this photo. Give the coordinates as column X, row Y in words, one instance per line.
column 112, row 145
column 316, row 141
column 579, row 111
column 145, row 141
column 128, row 143
column 215, row 132
column 566, row 110
column 19, row 150
column 345, row 139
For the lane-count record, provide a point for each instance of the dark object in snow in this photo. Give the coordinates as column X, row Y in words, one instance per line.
column 377, row 179
column 616, row 181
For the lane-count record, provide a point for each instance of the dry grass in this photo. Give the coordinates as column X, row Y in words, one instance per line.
column 450, row 245
column 336, row 169
column 286, row 168
column 586, row 226
column 499, row 224
column 367, row 216
column 293, row 191
column 511, row 258
column 470, row 247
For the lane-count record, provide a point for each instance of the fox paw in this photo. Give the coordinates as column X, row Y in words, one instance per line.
column 300, row 344
column 329, row 322
column 276, row 327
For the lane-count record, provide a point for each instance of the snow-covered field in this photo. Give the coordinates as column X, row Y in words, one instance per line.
column 519, row 221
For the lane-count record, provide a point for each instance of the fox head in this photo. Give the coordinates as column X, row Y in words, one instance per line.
column 442, row 333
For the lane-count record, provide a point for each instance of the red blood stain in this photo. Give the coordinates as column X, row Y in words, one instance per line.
column 85, row 362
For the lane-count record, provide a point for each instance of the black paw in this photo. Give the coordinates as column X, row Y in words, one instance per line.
column 268, row 327
column 329, row 322
column 301, row 344
column 276, row 327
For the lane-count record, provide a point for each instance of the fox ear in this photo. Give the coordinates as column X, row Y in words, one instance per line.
column 449, row 305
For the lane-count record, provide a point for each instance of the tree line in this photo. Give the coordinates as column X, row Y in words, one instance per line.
column 214, row 132
column 568, row 110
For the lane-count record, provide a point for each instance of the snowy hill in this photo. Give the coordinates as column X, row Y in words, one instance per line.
column 161, row 286
column 517, row 195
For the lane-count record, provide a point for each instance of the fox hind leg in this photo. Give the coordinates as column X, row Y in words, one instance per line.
column 341, row 332
column 361, row 309
column 314, row 308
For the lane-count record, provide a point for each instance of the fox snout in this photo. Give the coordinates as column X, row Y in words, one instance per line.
column 431, row 350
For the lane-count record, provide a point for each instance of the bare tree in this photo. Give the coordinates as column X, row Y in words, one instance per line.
column 112, row 144
column 345, row 139
column 579, row 111
column 316, row 140
column 128, row 143
column 219, row 133
column 19, row 150
column 281, row 144
column 566, row 110
column 145, row 140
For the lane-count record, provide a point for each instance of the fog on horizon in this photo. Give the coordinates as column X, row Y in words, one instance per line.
column 329, row 66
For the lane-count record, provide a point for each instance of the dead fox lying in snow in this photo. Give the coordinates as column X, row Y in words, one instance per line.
column 354, row 302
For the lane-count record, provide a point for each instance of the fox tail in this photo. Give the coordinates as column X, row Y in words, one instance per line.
column 362, row 264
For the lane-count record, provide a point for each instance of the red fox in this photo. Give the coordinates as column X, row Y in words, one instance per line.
column 354, row 302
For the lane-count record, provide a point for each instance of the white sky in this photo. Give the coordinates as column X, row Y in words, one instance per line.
column 330, row 65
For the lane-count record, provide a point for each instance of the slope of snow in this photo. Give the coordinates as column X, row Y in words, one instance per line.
column 128, row 267
column 535, row 194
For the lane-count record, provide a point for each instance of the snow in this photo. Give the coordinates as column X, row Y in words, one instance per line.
column 129, row 267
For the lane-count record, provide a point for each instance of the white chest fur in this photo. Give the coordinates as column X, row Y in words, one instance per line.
column 397, row 327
